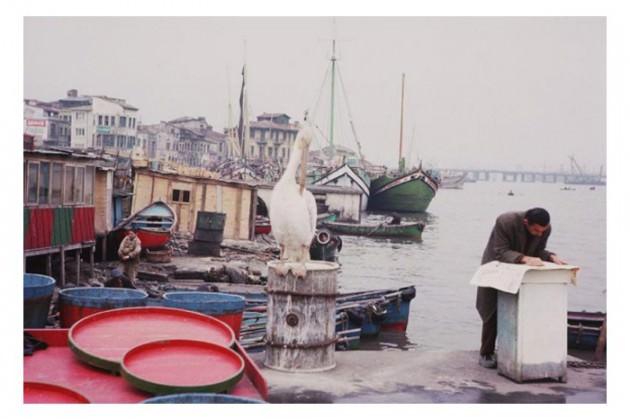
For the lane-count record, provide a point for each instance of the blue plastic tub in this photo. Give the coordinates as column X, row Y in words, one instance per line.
column 38, row 291
column 185, row 398
column 76, row 303
column 226, row 307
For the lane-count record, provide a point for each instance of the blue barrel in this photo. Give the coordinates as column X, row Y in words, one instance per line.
column 185, row 398
column 76, row 303
column 38, row 291
column 226, row 307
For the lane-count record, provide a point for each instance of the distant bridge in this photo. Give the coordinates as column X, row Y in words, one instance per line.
column 530, row 176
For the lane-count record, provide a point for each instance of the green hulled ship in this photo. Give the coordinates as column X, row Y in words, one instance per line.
column 411, row 192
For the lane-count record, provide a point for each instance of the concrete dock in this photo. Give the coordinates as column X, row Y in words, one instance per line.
column 408, row 376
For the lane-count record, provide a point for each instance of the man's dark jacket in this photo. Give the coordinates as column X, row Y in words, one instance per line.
column 509, row 242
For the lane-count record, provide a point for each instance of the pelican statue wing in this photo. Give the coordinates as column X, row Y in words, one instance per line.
column 311, row 206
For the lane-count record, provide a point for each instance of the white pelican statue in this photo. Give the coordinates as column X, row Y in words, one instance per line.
column 293, row 212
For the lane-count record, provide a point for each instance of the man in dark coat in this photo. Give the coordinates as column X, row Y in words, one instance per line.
column 517, row 237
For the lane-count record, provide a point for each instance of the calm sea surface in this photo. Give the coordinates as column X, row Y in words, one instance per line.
column 459, row 222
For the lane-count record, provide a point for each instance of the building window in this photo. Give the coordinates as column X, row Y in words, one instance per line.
column 106, row 119
column 74, row 184
column 100, row 119
column 32, row 180
column 89, row 185
column 78, row 115
column 44, row 182
column 79, row 177
column 180, row 195
column 252, row 151
column 122, row 121
column 69, row 185
column 168, row 146
column 270, row 151
column 79, row 132
column 57, row 184
column 98, row 140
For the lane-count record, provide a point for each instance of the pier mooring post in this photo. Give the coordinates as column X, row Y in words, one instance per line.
column 301, row 318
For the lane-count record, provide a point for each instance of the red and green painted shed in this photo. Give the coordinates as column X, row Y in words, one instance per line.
column 58, row 205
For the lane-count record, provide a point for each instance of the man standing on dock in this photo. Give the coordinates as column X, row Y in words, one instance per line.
column 517, row 237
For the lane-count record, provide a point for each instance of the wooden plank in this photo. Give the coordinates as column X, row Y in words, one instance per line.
column 601, row 344
column 77, row 255
column 62, row 267
column 49, row 264
column 92, row 251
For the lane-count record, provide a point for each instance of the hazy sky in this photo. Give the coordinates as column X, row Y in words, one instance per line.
column 480, row 92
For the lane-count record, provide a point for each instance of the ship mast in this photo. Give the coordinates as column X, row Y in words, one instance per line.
column 333, row 60
column 401, row 162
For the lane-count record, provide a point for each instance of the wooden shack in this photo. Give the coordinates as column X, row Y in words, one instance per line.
column 59, row 208
column 189, row 194
column 343, row 200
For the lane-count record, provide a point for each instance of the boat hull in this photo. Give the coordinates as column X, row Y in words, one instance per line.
column 412, row 192
column 149, row 239
column 404, row 230
column 154, row 225
column 262, row 228
column 348, row 177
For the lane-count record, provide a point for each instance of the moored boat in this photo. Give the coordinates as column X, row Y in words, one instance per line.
column 351, row 176
column 412, row 230
column 358, row 314
column 262, row 225
column 584, row 329
column 153, row 224
column 410, row 192
column 452, row 181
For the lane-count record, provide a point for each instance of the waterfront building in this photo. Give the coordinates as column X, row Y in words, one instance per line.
column 183, row 141
column 59, row 209
column 189, row 194
column 101, row 122
column 270, row 138
column 43, row 122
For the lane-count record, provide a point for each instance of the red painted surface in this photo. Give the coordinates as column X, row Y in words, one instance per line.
column 254, row 378
column 83, row 224
column 233, row 320
column 183, row 363
column 35, row 392
column 262, row 228
column 40, row 225
column 152, row 240
column 395, row 327
column 57, row 365
column 110, row 334
column 70, row 314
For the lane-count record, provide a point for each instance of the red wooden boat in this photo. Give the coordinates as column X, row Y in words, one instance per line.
column 262, row 226
column 153, row 224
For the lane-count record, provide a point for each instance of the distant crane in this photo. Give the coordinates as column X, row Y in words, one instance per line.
column 582, row 178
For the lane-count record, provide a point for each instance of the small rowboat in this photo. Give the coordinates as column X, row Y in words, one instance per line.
column 262, row 226
column 153, row 224
column 403, row 230
column 584, row 329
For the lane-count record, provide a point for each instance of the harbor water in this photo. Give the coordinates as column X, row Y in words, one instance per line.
column 458, row 224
